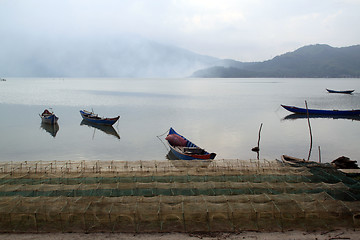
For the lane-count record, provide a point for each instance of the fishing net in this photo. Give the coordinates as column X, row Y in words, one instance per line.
column 180, row 196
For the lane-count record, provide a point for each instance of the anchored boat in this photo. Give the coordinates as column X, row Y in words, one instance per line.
column 184, row 149
column 340, row 91
column 322, row 112
column 48, row 117
column 94, row 118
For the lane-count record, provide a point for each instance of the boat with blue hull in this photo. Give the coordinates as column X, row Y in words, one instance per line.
column 298, row 110
column 184, row 149
column 48, row 117
column 340, row 91
column 94, row 118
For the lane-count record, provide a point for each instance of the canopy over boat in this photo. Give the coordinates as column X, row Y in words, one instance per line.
column 322, row 112
column 184, row 149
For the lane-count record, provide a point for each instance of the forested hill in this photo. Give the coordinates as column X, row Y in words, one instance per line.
column 313, row 61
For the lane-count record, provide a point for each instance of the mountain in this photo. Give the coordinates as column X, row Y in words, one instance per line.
column 136, row 57
column 96, row 56
column 313, row 61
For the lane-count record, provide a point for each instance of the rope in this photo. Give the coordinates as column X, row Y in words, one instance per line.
column 163, row 134
column 167, row 148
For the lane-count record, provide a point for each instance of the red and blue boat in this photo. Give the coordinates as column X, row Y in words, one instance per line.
column 48, row 117
column 298, row 110
column 94, row 118
column 184, row 149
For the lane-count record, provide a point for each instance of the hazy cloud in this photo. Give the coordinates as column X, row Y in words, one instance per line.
column 246, row 30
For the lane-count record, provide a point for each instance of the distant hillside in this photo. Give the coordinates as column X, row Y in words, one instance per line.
column 99, row 56
column 314, row 61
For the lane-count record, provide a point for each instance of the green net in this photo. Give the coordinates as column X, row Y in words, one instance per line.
column 168, row 196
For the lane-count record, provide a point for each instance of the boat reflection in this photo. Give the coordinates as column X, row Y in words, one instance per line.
column 304, row 116
column 50, row 128
column 187, row 164
column 110, row 130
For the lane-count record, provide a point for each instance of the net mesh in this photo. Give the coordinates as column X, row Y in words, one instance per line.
column 181, row 196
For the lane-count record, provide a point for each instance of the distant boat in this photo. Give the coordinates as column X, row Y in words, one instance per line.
column 298, row 110
column 94, row 118
column 3, row 79
column 184, row 149
column 341, row 91
column 48, row 117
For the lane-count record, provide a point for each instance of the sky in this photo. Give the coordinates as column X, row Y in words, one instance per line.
column 243, row 30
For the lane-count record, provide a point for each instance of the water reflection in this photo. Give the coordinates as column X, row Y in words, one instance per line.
column 304, row 116
column 110, row 130
column 50, row 128
column 186, row 165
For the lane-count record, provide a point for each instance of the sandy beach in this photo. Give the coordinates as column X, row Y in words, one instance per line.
column 294, row 235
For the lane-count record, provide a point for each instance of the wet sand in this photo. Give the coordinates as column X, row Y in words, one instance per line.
column 294, row 235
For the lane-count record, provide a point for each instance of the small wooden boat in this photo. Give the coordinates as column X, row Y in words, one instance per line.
column 48, row 117
column 184, row 149
column 298, row 110
column 94, row 118
column 340, row 91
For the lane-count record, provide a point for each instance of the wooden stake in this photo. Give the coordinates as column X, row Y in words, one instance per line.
column 307, row 113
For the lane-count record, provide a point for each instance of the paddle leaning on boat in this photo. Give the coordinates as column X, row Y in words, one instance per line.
column 94, row 118
column 184, row 149
column 48, row 117
column 298, row 110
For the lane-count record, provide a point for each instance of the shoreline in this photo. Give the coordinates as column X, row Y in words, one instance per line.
column 298, row 235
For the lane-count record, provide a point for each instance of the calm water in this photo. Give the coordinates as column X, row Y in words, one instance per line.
column 221, row 115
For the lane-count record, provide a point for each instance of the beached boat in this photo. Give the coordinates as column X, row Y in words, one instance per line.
column 340, row 91
column 48, row 117
column 298, row 110
column 184, row 149
column 94, row 118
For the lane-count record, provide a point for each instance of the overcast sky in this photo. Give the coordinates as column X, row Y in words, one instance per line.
column 244, row 30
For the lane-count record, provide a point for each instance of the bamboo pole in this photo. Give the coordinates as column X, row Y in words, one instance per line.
column 307, row 113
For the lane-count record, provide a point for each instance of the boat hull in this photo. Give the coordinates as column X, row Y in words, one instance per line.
column 298, row 110
column 89, row 117
column 51, row 119
column 343, row 92
column 180, row 152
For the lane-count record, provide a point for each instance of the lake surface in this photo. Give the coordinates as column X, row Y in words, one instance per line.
column 221, row 115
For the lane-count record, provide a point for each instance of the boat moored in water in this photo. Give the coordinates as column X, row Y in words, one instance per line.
column 94, row 118
column 298, row 110
column 48, row 117
column 184, row 149
column 340, row 91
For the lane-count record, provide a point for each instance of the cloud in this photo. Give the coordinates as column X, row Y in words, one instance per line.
column 247, row 30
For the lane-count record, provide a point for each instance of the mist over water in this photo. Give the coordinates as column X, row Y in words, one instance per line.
column 221, row 115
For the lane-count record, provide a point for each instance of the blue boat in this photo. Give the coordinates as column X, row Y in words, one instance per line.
column 94, row 118
column 48, row 117
column 184, row 149
column 340, row 91
column 298, row 110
